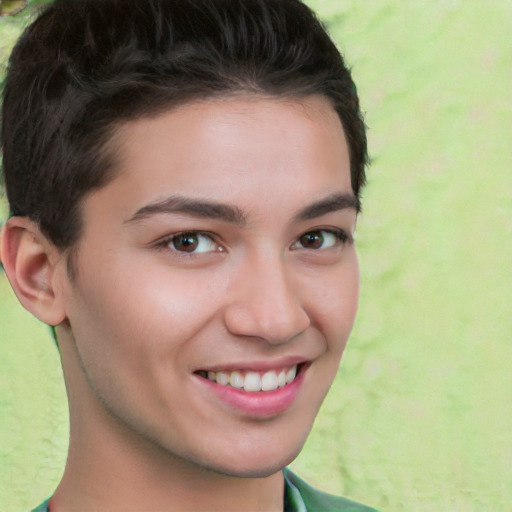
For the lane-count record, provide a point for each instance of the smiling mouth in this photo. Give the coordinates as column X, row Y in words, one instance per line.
column 253, row 381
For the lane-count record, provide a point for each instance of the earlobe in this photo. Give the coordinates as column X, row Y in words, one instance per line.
column 30, row 261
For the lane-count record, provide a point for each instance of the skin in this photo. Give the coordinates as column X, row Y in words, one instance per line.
column 144, row 316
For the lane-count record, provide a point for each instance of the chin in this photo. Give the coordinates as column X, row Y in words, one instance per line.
column 254, row 470
column 255, row 464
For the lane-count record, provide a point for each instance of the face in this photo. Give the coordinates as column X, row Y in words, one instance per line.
column 217, row 281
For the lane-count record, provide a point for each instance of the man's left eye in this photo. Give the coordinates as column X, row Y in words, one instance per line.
column 320, row 239
column 192, row 242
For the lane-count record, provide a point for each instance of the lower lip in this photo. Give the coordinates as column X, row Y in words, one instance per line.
column 258, row 403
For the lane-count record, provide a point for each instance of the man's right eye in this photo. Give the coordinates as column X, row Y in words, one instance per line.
column 191, row 242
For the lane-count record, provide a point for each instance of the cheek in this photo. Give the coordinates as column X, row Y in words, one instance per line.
column 334, row 303
column 152, row 308
column 134, row 336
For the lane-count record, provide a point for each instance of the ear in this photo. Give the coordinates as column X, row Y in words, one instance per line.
column 32, row 264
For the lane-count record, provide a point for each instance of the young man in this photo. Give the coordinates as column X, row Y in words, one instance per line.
column 184, row 180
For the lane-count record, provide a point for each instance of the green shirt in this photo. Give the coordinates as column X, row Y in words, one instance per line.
column 301, row 497
column 298, row 497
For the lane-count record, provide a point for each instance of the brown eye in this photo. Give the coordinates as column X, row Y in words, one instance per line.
column 186, row 242
column 193, row 243
column 312, row 240
column 321, row 239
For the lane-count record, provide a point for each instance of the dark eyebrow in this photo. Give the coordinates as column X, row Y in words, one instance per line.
column 327, row 205
column 228, row 213
column 194, row 207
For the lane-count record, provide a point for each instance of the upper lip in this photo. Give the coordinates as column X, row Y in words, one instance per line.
column 256, row 365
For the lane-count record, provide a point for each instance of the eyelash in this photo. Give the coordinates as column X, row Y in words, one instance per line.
column 341, row 236
column 165, row 242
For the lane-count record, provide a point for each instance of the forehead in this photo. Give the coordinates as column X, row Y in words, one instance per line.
column 242, row 149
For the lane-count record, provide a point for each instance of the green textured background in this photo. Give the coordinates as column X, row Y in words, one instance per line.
column 420, row 416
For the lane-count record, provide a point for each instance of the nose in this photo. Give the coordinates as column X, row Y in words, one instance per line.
column 265, row 304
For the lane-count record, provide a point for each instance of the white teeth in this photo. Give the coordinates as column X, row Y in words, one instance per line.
column 252, row 382
column 269, row 381
column 236, row 380
column 290, row 374
column 222, row 378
